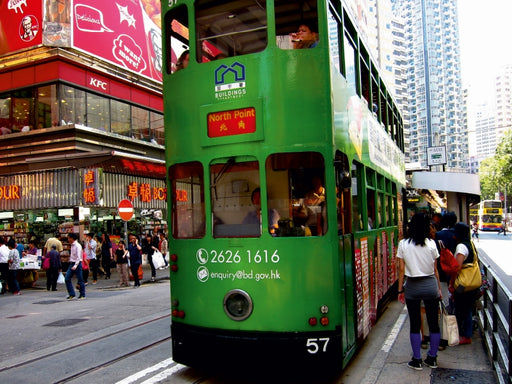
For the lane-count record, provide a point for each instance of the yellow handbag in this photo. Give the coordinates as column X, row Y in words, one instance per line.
column 469, row 277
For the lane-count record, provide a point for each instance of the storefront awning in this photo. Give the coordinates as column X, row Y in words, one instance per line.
column 110, row 161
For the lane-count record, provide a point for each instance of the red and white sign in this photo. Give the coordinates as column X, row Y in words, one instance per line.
column 125, row 209
column 234, row 122
column 21, row 24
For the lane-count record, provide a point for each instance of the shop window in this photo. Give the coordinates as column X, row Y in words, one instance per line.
column 140, row 123
column 296, row 191
column 98, row 112
column 177, row 39
column 188, row 208
column 22, row 109
column 120, row 117
column 296, row 24
column 229, row 28
column 235, row 212
column 157, row 127
column 47, row 107
column 5, row 114
column 72, row 106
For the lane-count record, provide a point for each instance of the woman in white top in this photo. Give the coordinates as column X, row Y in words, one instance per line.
column 417, row 255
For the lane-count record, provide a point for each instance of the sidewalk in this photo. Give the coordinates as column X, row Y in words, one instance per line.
column 384, row 356
column 113, row 282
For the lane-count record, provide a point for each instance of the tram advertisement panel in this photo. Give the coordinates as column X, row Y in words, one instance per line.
column 20, row 25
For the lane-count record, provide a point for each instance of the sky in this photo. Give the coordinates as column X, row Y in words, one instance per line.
column 485, row 29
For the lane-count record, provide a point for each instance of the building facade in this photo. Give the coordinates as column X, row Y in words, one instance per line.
column 81, row 119
column 433, row 80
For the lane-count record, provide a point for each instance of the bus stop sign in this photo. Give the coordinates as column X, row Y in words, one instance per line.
column 125, row 209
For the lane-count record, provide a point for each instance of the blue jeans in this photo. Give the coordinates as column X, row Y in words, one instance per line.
column 69, row 275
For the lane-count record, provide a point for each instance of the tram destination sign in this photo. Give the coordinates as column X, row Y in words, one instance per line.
column 233, row 122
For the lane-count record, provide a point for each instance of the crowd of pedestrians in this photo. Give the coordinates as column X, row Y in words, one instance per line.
column 95, row 256
column 423, row 284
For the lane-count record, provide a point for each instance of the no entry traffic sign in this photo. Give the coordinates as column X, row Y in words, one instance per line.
column 125, row 209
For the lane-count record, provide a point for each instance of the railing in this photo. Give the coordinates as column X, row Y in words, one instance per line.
column 494, row 318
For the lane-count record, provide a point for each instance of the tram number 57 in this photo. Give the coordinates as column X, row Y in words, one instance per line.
column 314, row 345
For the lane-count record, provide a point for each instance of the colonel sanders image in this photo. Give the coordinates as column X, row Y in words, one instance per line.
column 29, row 28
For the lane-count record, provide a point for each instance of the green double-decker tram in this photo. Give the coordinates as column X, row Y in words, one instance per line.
column 286, row 171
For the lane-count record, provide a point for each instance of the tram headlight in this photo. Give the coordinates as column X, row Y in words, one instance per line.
column 238, row 304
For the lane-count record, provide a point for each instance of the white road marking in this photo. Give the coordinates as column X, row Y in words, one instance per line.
column 139, row 375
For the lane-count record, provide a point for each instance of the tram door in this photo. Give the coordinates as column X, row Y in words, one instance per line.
column 346, row 251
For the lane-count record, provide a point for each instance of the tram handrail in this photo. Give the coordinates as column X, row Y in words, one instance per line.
column 496, row 325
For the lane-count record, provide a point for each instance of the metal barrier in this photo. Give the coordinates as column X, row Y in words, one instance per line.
column 494, row 318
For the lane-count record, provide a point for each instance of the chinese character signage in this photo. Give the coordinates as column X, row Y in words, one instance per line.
column 234, row 122
column 91, row 186
column 145, row 192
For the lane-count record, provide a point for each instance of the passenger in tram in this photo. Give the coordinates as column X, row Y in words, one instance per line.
column 315, row 204
column 417, row 255
column 305, row 37
column 254, row 217
column 183, row 61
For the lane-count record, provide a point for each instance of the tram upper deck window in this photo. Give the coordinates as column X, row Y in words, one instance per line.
column 235, row 206
column 177, row 39
column 296, row 190
column 296, row 24
column 230, row 28
column 188, row 209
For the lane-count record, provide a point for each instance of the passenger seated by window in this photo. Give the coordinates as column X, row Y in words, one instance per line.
column 315, row 203
column 254, row 217
column 183, row 60
column 305, row 37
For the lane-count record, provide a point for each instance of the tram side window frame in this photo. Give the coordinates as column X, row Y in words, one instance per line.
column 229, row 28
column 176, row 31
column 292, row 180
column 188, row 200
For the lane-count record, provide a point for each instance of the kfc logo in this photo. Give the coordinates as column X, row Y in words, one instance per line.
column 98, row 84
column 29, row 27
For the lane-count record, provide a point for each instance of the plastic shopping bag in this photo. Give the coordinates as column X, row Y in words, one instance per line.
column 158, row 260
column 60, row 279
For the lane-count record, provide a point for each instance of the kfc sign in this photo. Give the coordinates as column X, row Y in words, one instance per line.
column 98, row 83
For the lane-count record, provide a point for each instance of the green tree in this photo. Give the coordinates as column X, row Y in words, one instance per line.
column 496, row 171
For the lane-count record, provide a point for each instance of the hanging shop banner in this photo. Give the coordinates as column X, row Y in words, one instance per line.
column 21, row 24
column 91, row 186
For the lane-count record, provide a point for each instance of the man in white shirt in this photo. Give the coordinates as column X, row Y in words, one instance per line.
column 75, row 267
column 90, row 251
column 4, row 263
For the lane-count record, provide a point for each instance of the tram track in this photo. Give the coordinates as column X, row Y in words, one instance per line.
column 113, row 361
column 105, row 349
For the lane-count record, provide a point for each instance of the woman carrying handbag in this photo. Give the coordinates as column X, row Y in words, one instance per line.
column 466, row 286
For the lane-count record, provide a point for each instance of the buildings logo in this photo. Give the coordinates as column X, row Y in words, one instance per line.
column 230, row 81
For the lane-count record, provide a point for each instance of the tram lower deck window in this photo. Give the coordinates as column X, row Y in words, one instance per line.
column 296, row 190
